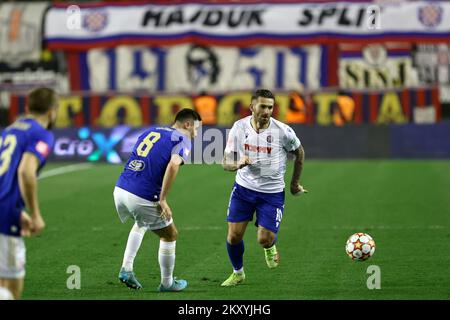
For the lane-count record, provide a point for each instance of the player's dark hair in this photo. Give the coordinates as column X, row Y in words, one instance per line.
column 264, row 93
column 40, row 100
column 186, row 114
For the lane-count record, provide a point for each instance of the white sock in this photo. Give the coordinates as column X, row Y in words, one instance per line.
column 166, row 258
column 241, row 270
column 133, row 244
column 5, row 294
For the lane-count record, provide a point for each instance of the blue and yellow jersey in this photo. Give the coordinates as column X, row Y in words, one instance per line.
column 144, row 171
column 24, row 135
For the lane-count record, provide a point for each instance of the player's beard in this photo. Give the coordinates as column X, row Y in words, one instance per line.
column 263, row 122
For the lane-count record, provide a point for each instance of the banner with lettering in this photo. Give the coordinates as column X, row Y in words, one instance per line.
column 377, row 66
column 100, row 25
column 398, row 106
column 196, row 68
column 432, row 62
column 21, row 31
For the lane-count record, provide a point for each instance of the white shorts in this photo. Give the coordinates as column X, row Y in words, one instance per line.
column 12, row 257
column 145, row 213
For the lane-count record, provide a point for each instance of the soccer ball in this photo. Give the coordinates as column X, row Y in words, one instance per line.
column 360, row 246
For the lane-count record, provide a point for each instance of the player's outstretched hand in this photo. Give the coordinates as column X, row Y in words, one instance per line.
column 25, row 222
column 166, row 212
column 297, row 189
column 38, row 225
column 245, row 161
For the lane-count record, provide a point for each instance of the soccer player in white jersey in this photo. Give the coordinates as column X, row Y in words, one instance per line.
column 257, row 148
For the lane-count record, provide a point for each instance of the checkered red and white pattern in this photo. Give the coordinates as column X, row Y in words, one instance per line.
column 43, row 148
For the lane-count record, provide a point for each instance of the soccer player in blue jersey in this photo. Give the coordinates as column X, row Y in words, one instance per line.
column 142, row 189
column 24, row 148
column 257, row 149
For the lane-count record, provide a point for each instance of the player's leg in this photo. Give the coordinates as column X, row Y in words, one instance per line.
column 235, row 248
column 133, row 244
column 12, row 264
column 166, row 258
column 267, row 240
column 235, row 244
column 240, row 211
column 13, row 286
column 126, row 204
column 269, row 213
column 5, row 293
column 126, row 274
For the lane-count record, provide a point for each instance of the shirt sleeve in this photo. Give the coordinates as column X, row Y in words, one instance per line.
column 40, row 144
column 232, row 141
column 291, row 141
column 183, row 148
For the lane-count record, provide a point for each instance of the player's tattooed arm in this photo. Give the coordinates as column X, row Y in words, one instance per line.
column 28, row 187
column 230, row 162
column 296, row 188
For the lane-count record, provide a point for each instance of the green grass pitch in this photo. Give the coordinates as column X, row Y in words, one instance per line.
column 403, row 205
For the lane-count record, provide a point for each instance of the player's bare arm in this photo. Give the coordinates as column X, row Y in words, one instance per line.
column 26, row 224
column 299, row 155
column 28, row 188
column 169, row 178
column 230, row 163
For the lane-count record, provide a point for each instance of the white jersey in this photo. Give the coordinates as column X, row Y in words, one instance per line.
column 267, row 151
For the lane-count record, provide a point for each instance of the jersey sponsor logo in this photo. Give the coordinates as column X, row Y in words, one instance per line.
column 136, row 165
column 258, row 149
column 43, row 148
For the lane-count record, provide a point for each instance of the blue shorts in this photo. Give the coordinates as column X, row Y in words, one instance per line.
column 244, row 202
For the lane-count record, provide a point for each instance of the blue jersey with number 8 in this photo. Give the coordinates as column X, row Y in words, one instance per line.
column 24, row 135
column 144, row 171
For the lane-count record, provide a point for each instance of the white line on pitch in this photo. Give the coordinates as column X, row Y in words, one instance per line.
column 65, row 169
column 202, row 228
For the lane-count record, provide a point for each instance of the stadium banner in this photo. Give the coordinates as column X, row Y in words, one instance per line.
column 93, row 145
column 72, row 27
column 419, row 105
column 196, row 68
column 114, row 145
column 432, row 62
column 377, row 66
column 21, row 29
column 48, row 71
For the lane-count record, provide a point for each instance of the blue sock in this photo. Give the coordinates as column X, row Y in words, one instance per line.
column 236, row 254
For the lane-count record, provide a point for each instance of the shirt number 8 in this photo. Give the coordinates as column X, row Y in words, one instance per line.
column 147, row 144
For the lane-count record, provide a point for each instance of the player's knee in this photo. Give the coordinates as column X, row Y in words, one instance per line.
column 138, row 229
column 265, row 240
column 234, row 237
